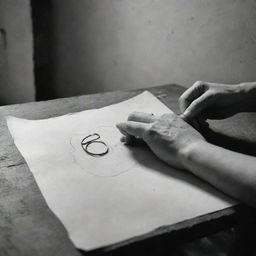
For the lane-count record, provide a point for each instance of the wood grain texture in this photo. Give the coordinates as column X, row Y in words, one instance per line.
column 28, row 227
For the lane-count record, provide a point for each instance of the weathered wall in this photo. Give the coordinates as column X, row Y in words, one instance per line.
column 123, row 44
column 16, row 60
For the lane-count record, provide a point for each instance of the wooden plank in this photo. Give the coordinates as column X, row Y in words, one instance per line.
column 30, row 228
column 164, row 239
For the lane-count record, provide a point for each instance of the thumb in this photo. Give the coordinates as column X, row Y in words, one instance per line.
column 197, row 106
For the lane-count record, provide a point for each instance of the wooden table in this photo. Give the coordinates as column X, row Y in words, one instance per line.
column 27, row 225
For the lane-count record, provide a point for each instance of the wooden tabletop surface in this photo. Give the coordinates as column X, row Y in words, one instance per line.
column 27, row 225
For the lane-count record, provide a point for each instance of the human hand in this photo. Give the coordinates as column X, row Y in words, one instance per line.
column 168, row 136
column 211, row 100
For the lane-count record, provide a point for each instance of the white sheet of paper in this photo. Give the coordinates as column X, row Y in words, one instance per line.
column 104, row 200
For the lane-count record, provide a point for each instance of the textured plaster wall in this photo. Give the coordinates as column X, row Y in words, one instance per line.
column 124, row 44
column 16, row 50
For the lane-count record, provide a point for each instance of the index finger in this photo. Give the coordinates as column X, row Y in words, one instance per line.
column 135, row 129
column 142, row 117
column 192, row 93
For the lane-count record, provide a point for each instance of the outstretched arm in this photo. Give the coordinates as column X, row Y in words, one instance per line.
column 178, row 144
column 231, row 172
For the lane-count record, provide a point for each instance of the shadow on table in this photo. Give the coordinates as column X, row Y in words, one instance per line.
column 245, row 145
column 238, row 134
column 152, row 162
column 160, row 242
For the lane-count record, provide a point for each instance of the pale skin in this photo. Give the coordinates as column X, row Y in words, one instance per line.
column 177, row 143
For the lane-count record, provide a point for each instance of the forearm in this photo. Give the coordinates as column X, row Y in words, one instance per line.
column 231, row 172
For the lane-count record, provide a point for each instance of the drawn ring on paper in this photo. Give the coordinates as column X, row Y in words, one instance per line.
column 118, row 160
column 85, row 145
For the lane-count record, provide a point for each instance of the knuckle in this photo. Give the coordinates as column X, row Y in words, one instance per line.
column 168, row 116
column 166, row 120
column 150, row 133
column 200, row 84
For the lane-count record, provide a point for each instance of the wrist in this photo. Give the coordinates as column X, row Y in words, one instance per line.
column 189, row 152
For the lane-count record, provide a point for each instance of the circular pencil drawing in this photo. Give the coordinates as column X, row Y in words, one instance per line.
column 94, row 146
column 118, row 159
